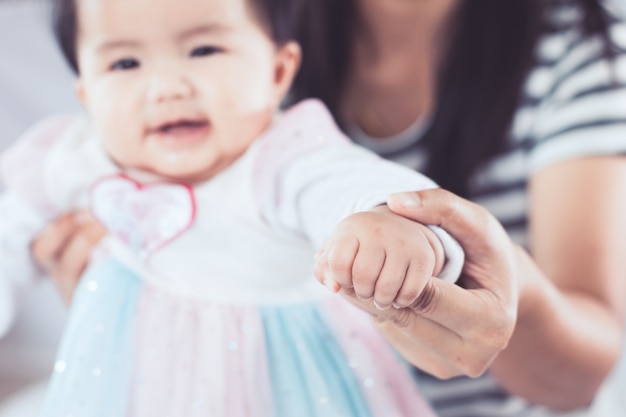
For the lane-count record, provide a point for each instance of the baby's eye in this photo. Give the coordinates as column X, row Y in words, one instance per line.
column 205, row 51
column 125, row 64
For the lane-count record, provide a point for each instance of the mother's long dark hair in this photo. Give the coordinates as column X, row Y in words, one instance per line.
column 490, row 53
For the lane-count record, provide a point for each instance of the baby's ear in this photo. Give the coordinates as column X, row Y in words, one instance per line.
column 288, row 57
column 79, row 88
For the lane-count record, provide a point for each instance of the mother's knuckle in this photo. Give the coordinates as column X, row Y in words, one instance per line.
column 495, row 337
column 476, row 368
column 449, row 210
column 445, row 373
column 471, row 363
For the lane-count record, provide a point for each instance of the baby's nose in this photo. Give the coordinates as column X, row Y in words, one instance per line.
column 169, row 85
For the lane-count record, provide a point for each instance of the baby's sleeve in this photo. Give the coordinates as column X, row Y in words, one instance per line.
column 19, row 223
column 24, row 210
column 310, row 176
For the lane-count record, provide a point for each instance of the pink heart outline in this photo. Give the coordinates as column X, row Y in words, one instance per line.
column 147, row 247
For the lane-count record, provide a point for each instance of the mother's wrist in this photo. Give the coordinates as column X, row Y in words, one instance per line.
column 533, row 286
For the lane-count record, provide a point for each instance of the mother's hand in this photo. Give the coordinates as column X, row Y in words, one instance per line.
column 64, row 247
column 453, row 330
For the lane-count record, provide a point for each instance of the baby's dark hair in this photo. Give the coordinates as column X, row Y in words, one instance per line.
column 278, row 16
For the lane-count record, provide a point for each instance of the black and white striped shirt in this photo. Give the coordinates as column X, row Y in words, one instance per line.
column 574, row 106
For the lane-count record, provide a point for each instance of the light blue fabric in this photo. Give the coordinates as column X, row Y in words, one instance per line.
column 93, row 368
column 310, row 374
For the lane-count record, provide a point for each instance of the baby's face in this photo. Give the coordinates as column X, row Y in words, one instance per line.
column 179, row 88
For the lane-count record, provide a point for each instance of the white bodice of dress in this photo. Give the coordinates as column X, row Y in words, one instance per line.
column 229, row 253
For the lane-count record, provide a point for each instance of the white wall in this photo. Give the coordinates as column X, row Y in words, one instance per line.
column 34, row 83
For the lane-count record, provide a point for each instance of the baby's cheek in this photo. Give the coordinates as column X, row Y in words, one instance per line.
column 122, row 150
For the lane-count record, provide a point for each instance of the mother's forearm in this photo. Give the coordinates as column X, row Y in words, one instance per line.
column 564, row 345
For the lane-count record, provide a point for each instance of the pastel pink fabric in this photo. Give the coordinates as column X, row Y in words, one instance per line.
column 389, row 388
column 215, row 354
column 22, row 166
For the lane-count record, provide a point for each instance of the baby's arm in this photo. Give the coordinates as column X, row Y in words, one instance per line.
column 310, row 179
column 380, row 255
column 24, row 208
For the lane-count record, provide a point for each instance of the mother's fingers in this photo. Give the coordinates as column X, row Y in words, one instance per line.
column 483, row 313
column 442, row 339
column 64, row 247
column 475, row 315
column 77, row 252
column 49, row 244
column 489, row 253
column 473, row 226
column 427, row 356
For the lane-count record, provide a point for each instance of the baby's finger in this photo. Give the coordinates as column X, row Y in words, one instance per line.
column 341, row 253
column 321, row 270
column 417, row 275
column 320, row 265
column 389, row 282
column 368, row 264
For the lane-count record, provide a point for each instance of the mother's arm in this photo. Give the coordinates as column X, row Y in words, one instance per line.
column 571, row 292
column 569, row 329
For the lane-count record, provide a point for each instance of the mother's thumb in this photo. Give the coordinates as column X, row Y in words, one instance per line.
column 461, row 218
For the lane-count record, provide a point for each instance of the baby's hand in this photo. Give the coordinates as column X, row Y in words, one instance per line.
column 380, row 255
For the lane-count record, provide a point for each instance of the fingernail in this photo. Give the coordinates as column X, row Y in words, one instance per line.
column 331, row 284
column 409, row 200
column 362, row 298
column 381, row 307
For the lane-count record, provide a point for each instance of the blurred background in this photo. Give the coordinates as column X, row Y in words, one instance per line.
column 34, row 83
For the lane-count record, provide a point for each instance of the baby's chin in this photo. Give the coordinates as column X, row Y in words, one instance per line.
column 183, row 172
column 190, row 166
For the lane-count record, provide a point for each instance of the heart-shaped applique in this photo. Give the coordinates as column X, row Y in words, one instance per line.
column 144, row 216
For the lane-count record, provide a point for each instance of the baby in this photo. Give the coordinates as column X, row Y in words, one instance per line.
column 201, row 301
